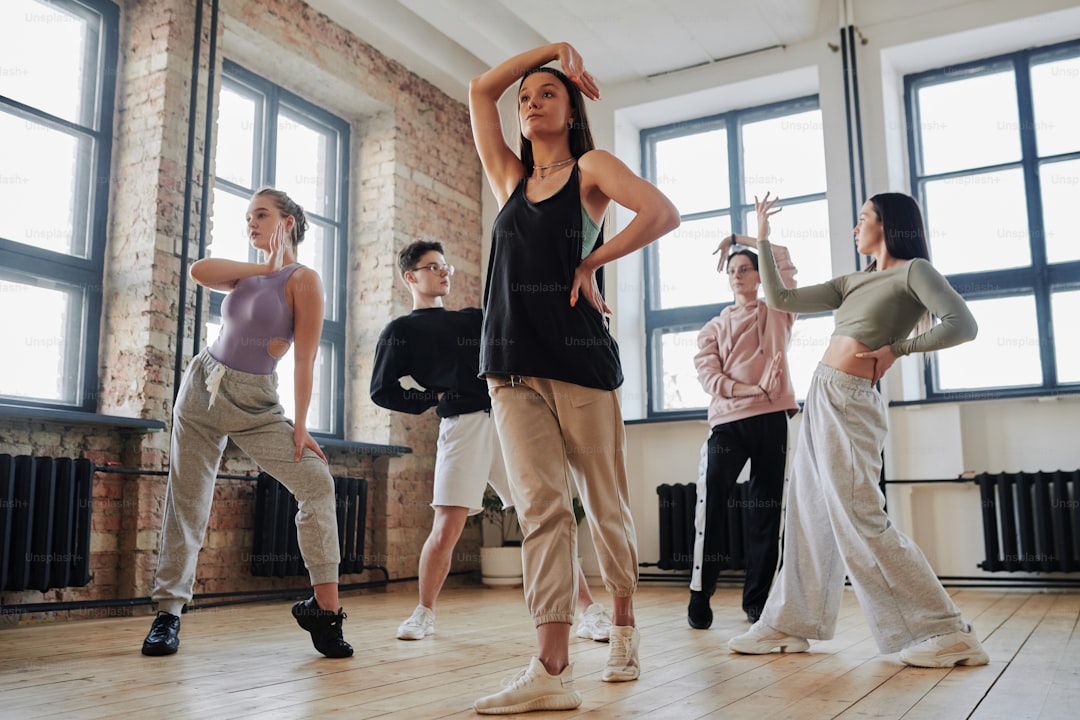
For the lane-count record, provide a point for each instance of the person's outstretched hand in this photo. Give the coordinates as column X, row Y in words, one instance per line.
column 765, row 211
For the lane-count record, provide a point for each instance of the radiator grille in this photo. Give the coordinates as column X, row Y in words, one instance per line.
column 275, row 552
column 1031, row 521
column 678, row 505
column 45, row 506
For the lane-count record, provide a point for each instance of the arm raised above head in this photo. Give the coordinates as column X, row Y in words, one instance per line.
column 502, row 166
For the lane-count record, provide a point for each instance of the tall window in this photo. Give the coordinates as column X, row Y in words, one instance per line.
column 267, row 136
column 711, row 169
column 57, row 74
column 995, row 161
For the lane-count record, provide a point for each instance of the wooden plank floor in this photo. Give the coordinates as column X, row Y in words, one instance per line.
column 251, row 661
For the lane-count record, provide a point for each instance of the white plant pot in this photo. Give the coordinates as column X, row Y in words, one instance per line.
column 500, row 566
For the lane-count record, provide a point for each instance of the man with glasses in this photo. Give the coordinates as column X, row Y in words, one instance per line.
column 439, row 351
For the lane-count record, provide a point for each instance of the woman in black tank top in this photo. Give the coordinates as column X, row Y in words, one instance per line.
column 551, row 364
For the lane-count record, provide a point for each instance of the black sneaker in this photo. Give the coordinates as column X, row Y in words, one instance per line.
column 698, row 612
column 324, row 626
column 163, row 638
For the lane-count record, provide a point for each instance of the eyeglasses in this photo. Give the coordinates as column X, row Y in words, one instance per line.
column 437, row 268
column 740, row 269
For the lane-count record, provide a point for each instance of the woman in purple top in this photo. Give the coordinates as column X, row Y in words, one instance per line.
column 230, row 391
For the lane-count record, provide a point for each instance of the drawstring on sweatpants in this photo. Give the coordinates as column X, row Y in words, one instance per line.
column 213, row 382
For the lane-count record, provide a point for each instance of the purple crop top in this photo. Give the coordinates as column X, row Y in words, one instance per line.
column 254, row 314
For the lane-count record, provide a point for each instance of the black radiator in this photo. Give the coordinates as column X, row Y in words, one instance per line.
column 677, row 503
column 275, row 552
column 45, row 506
column 1031, row 521
column 677, row 532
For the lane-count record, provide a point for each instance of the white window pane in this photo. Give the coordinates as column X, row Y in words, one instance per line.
column 1060, row 185
column 228, row 234
column 809, row 339
column 316, row 253
column 681, row 388
column 1065, row 307
column 969, row 123
column 1005, row 354
column 785, row 155
column 804, row 230
column 692, row 171
column 687, row 268
column 964, row 236
column 43, row 170
column 235, row 142
column 302, row 164
column 318, row 417
column 34, row 322
column 1055, row 88
column 42, row 48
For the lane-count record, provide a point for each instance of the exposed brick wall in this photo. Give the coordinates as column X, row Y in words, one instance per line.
column 414, row 174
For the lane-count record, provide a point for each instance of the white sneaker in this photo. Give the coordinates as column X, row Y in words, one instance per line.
column 761, row 639
column 419, row 625
column 622, row 663
column 533, row 689
column 955, row 648
column 594, row 624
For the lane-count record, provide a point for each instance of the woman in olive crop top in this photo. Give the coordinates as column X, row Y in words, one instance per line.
column 836, row 523
column 551, row 365
column 230, row 391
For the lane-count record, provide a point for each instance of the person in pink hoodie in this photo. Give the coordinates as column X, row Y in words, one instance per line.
column 742, row 364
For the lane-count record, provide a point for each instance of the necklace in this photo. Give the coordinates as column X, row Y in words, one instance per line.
column 552, row 165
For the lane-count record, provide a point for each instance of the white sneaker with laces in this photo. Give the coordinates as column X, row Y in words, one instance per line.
column 622, row 663
column 533, row 689
column 418, row 626
column 594, row 624
column 762, row 639
column 955, row 648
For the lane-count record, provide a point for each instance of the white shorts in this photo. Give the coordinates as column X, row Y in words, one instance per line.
column 467, row 458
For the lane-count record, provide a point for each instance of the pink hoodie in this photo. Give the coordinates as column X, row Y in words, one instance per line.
column 737, row 345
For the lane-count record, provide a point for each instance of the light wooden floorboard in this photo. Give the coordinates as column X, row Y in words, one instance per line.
column 251, row 661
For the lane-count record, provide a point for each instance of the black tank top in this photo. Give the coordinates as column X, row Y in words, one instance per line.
column 529, row 326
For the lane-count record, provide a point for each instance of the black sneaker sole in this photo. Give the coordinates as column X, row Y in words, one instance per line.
column 157, row 650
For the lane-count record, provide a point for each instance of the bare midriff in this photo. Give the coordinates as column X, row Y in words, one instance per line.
column 841, row 355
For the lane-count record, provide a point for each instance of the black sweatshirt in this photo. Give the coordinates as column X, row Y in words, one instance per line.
column 438, row 348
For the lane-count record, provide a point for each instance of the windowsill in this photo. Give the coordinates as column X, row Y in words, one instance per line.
column 116, row 422
column 353, row 447
column 966, row 396
column 701, row 416
column 76, row 417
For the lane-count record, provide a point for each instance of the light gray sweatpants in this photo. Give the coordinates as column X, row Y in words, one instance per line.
column 245, row 408
column 836, row 525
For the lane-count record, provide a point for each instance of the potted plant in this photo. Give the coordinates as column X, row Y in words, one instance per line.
column 500, row 561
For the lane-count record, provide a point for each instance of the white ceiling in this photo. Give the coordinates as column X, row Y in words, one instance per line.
column 448, row 42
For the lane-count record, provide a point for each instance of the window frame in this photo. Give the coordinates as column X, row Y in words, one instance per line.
column 686, row 318
column 1038, row 280
column 91, row 201
column 264, row 161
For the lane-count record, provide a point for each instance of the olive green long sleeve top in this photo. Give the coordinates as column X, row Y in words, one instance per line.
column 878, row 308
